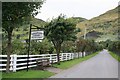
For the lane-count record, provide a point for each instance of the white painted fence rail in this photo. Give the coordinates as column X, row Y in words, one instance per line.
column 18, row 62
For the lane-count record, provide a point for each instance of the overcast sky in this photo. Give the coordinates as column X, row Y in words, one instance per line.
column 75, row 8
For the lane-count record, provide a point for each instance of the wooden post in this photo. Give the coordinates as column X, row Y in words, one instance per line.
column 80, row 54
column 69, row 56
column 72, row 55
column 84, row 54
column 14, row 62
column 11, row 62
column 51, row 59
column 56, row 60
column 61, row 56
column 66, row 57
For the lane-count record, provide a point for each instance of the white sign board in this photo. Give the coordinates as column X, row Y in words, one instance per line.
column 36, row 35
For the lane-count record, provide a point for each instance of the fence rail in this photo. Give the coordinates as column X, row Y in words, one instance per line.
column 18, row 62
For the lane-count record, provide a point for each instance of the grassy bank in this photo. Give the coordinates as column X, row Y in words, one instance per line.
column 29, row 74
column 115, row 56
column 68, row 64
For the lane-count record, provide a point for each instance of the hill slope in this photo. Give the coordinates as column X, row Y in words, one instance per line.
column 107, row 24
column 79, row 19
column 22, row 32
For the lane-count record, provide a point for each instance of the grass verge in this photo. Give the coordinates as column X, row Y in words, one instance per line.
column 29, row 74
column 115, row 56
column 68, row 64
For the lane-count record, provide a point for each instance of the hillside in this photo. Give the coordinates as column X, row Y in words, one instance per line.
column 22, row 32
column 79, row 19
column 105, row 24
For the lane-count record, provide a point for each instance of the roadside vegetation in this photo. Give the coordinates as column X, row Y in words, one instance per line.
column 113, row 47
column 24, row 74
column 115, row 56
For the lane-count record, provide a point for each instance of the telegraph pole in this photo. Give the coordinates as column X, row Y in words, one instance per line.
column 85, row 33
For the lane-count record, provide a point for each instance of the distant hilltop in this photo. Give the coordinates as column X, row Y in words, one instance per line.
column 106, row 24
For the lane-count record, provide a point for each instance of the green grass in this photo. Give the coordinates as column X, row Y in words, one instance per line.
column 115, row 56
column 29, row 74
column 0, row 75
column 68, row 64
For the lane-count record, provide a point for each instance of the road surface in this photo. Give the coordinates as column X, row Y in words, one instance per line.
column 103, row 65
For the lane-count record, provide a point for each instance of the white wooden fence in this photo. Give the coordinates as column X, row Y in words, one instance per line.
column 18, row 62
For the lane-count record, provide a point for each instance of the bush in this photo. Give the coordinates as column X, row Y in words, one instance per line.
column 114, row 46
column 43, row 47
column 88, row 46
column 18, row 36
column 19, row 47
column 25, row 29
column 4, row 46
column 68, row 46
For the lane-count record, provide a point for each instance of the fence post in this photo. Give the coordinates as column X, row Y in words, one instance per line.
column 69, row 56
column 62, row 57
column 72, row 55
column 51, row 58
column 80, row 54
column 84, row 54
column 11, row 62
column 75, row 55
column 56, row 58
column 14, row 62
column 66, row 56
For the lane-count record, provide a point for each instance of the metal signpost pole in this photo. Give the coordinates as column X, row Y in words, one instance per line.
column 29, row 47
column 34, row 35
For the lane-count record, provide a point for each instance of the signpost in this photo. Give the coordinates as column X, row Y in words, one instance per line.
column 34, row 35
column 37, row 35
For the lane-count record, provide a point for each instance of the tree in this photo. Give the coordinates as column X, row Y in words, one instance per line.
column 81, row 45
column 17, row 47
column 68, row 46
column 91, row 46
column 41, row 47
column 87, row 45
column 114, row 46
column 59, row 30
column 15, row 14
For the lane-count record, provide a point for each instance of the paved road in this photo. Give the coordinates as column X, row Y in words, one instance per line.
column 103, row 65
